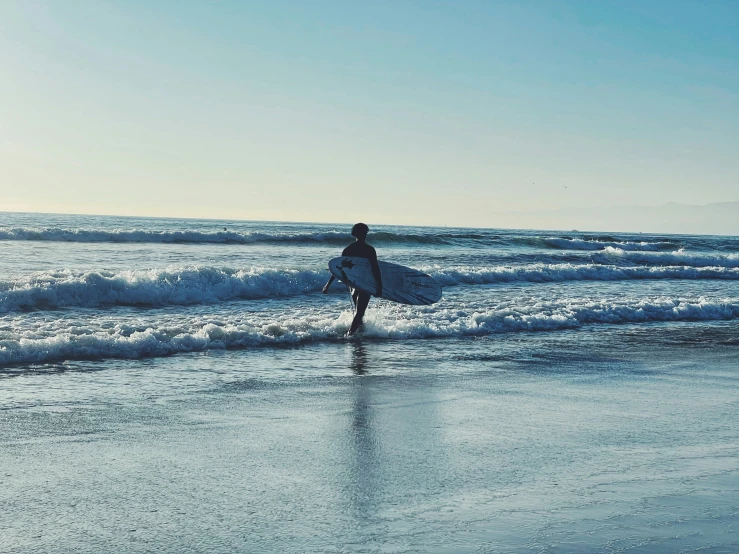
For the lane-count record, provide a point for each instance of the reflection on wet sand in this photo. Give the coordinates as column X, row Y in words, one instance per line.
column 359, row 358
column 366, row 463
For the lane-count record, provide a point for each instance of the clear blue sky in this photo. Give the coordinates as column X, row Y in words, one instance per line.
column 392, row 112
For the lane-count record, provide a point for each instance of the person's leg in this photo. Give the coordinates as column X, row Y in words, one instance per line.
column 362, row 302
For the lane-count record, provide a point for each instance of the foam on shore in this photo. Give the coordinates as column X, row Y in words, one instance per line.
column 98, row 339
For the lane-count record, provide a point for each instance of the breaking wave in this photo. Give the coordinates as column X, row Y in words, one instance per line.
column 167, row 237
column 679, row 257
column 207, row 285
column 543, row 273
column 587, row 244
column 451, row 237
column 163, row 339
column 225, row 237
column 178, row 286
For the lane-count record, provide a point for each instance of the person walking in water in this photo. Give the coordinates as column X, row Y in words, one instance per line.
column 360, row 249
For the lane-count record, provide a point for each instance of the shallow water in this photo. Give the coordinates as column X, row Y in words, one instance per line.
column 168, row 396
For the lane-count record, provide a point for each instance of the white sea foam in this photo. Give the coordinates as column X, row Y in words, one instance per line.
column 178, row 286
column 65, row 340
column 205, row 285
column 678, row 257
column 548, row 273
column 594, row 244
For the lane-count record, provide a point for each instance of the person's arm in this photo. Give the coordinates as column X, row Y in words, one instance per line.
column 376, row 272
column 330, row 280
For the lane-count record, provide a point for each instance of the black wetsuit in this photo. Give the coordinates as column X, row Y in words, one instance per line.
column 361, row 249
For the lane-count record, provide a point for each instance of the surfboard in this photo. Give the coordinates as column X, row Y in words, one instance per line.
column 399, row 283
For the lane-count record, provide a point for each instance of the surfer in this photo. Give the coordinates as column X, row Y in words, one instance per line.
column 360, row 249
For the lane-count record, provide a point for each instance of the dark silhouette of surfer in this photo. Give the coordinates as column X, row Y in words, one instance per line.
column 360, row 249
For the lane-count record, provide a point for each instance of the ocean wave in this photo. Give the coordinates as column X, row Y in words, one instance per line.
column 167, row 237
column 224, row 237
column 554, row 273
column 176, row 286
column 207, row 285
column 595, row 244
column 679, row 257
column 74, row 342
column 188, row 233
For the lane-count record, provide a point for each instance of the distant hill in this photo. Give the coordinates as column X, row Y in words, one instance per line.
column 713, row 219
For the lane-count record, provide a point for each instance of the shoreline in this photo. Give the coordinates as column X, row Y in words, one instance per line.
column 271, row 453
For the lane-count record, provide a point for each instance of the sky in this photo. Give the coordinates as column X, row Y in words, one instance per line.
column 403, row 112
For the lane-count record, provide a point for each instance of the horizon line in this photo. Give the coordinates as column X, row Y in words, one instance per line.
column 510, row 228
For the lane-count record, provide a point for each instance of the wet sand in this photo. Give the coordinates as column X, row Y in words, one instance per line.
column 343, row 453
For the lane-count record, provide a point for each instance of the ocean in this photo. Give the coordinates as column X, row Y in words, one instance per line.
column 182, row 385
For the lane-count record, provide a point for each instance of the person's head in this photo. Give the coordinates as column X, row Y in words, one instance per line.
column 360, row 231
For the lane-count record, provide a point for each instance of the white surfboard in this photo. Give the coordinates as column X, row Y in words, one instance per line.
column 399, row 283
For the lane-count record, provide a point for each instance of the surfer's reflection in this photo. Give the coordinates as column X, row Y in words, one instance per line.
column 359, row 358
column 366, row 464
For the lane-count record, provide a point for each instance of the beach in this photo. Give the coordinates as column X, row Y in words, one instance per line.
column 337, row 452
column 163, row 394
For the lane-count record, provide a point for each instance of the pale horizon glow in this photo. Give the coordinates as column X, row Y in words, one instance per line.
column 443, row 113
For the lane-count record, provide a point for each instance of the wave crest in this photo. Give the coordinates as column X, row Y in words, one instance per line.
column 555, row 273
column 678, row 257
column 223, row 237
column 178, row 286
column 587, row 244
column 207, row 285
column 167, row 237
column 74, row 343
